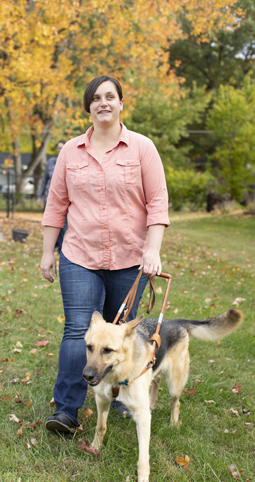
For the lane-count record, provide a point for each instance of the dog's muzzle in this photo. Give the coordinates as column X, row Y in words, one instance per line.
column 92, row 376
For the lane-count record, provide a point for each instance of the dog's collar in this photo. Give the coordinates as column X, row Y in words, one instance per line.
column 116, row 389
column 126, row 382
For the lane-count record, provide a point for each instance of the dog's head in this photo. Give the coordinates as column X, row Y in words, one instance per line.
column 107, row 346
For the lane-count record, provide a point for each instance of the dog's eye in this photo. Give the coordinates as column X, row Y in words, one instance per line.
column 89, row 348
column 107, row 350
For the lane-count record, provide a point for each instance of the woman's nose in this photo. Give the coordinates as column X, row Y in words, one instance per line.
column 103, row 101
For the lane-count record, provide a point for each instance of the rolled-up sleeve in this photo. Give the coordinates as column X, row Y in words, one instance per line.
column 154, row 184
column 57, row 202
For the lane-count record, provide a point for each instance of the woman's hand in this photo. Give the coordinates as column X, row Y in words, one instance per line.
column 151, row 263
column 48, row 262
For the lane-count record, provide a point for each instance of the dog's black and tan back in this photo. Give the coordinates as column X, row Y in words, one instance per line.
column 172, row 331
column 118, row 354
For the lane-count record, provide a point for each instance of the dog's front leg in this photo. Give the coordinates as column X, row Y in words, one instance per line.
column 154, row 392
column 142, row 418
column 103, row 407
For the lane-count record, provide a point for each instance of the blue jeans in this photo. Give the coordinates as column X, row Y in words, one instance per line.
column 85, row 291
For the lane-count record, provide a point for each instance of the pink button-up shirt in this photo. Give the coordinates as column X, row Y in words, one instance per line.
column 110, row 205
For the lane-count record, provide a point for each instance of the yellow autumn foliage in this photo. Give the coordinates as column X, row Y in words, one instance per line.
column 48, row 47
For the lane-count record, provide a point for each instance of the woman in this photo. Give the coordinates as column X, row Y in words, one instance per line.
column 111, row 181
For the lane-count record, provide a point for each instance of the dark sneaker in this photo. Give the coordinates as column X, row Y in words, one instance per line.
column 61, row 422
column 121, row 409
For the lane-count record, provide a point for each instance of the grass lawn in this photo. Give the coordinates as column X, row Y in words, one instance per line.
column 211, row 259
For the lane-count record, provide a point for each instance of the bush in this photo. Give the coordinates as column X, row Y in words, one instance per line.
column 187, row 187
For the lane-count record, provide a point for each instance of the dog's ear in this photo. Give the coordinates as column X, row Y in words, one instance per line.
column 130, row 325
column 97, row 318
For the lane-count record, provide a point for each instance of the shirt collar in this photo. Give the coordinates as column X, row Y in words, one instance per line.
column 84, row 139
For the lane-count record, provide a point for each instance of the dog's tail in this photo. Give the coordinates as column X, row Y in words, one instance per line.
column 215, row 328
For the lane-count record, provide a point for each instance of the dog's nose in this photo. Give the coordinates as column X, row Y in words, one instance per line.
column 88, row 374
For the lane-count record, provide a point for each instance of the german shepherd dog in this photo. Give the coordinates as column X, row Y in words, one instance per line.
column 118, row 354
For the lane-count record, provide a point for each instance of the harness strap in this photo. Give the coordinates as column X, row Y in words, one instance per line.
column 155, row 339
column 130, row 298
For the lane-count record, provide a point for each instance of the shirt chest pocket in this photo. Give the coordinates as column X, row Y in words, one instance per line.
column 78, row 175
column 128, row 171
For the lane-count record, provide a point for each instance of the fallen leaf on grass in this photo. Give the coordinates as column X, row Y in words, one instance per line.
column 34, row 424
column 236, row 388
column 13, row 418
column 61, row 319
column 34, row 442
column 227, row 431
column 41, row 343
column 190, row 391
column 211, row 402
column 16, row 350
column 88, row 412
column 17, row 312
column 183, row 462
column 235, row 412
column 33, row 351
column 89, row 449
column 246, row 412
column 235, row 472
column 14, row 380
column 19, row 400
column 27, row 378
column 6, row 360
column 210, row 361
column 52, row 402
column 49, row 354
column 238, row 301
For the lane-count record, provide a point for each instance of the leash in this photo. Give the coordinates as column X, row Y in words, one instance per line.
column 127, row 305
column 130, row 298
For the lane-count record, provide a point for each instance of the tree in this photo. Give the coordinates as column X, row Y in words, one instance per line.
column 49, row 48
column 224, row 57
column 232, row 119
column 165, row 123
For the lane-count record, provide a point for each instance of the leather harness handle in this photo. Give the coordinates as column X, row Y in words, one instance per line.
column 155, row 339
column 130, row 298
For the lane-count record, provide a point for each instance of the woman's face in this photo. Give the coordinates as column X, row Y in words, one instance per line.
column 106, row 105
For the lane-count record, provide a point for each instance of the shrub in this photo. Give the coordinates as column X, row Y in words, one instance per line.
column 187, row 187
